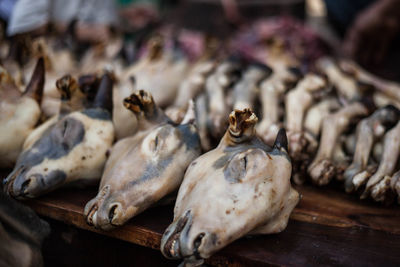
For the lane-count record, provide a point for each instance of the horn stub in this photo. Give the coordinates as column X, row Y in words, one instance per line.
column 35, row 87
column 281, row 140
column 103, row 97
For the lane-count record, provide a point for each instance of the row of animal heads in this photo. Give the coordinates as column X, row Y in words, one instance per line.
column 72, row 148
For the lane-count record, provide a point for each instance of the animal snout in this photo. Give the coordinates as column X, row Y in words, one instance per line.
column 106, row 215
column 28, row 186
column 171, row 240
column 13, row 178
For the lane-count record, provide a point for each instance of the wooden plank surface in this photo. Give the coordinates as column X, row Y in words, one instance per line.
column 327, row 227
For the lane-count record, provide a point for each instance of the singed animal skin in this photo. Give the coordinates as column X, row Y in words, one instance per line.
column 57, row 63
column 284, row 75
column 125, row 122
column 369, row 131
column 297, row 103
column 145, row 167
column 70, row 148
column 216, row 85
column 19, row 113
column 377, row 184
column 316, row 114
column 240, row 187
column 345, row 85
column 271, row 92
column 323, row 167
column 246, row 89
column 189, row 88
column 160, row 73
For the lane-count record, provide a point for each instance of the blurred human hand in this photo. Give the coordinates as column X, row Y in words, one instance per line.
column 370, row 36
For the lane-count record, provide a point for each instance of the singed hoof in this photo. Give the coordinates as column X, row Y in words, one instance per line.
column 66, row 85
column 322, row 172
column 140, row 102
column 241, row 123
column 380, row 191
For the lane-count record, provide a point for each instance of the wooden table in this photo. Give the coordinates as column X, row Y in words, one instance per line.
column 328, row 227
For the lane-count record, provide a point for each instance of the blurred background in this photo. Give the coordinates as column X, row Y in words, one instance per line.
column 365, row 30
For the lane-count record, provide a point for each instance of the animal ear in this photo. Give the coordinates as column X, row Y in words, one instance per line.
column 141, row 102
column 242, row 166
column 103, row 97
column 36, row 84
column 68, row 133
column 281, row 140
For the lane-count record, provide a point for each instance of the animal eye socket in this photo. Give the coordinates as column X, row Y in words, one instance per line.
column 68, row 133
column 64, row 129
column 156, row 142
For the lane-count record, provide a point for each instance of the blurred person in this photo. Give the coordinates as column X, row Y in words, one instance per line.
column 94, row 18
column 138, row 13
column 370, row 31
column 6, row 8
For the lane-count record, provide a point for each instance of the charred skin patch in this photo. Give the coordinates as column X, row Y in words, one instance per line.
column 50, row 180
column 236, row 170
column 38, row 183
column 231, row 151
column 190, row 137
column 152, row 171
column 96, row 113
column 222, row 161
column 56, row 142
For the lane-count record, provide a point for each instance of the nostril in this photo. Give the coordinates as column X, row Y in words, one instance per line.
column 197, row 240
column 25, row 184
column 112, row 212
column 196, row 245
